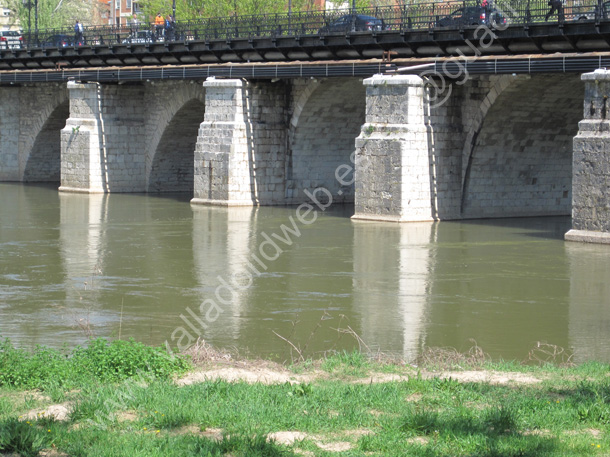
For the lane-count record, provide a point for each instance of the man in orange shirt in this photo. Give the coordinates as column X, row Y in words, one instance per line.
column 159, row 24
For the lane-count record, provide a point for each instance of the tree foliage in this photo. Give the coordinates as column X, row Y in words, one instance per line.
column 63, row 13
column 51, row 13
column 188, row 10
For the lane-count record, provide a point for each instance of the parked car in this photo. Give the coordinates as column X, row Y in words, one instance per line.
column 580, row 14
column 354, row 23
column 10, row 39
column 472, row 15
column 141, row 36
column 58, row 41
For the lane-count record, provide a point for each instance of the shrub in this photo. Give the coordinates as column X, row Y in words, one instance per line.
column 101, row 361
column 118, row 360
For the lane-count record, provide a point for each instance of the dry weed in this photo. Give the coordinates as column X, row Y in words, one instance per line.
column 546, row 353
column 451, row 358
column 202, row 352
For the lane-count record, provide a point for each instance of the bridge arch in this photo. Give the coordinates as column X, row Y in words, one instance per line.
column 326, row 120
column 474, row 122
column 176, row 111
column 521, row 159
column 43, row 114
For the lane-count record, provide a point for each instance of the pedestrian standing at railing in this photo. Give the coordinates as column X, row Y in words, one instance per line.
column 556, row 6
column 134, row 24
column 169, row 28
column 78, row 33
column 159, row 24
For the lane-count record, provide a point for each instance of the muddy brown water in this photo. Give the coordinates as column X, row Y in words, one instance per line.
column 157, row 269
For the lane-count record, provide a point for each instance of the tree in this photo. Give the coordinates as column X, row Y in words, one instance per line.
column 188, row 10
column 51, row 13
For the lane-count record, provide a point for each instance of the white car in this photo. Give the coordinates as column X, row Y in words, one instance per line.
column 10, row 39
column 583, row 13
column 141, row 36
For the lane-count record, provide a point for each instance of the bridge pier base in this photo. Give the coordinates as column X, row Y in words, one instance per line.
column 222, row 174
column 241, row 147
column 392, row 161
column 101, row 144
column 591, row 164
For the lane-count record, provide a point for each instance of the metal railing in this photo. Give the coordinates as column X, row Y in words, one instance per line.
column 404, row 18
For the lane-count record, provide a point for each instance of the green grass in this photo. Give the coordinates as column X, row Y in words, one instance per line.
column 347, row 363
column 118, row 413
column 101, row 361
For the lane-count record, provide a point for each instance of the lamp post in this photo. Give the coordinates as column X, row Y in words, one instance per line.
column 28, row 4
column 174, row 10
column 36, row 21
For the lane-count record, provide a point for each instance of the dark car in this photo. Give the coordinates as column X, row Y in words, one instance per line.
column 58, row 41
column 472, row 15
column 354, row 23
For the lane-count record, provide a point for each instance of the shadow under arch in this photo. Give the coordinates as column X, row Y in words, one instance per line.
column 172, row 167
column 521, row 163
column 323, row 137
column 44, row 161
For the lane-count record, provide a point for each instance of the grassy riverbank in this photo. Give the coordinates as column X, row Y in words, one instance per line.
column 126, row 399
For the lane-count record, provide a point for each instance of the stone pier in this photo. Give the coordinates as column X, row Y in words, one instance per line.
column 392, row 173
column 591, row 164
column 407, row 165
column 241, row 147
column 222, row 174
column 101, row 144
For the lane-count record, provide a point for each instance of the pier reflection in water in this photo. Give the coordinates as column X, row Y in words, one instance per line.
column 73, row 264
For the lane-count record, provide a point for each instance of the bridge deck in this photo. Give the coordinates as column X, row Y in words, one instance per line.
column 578, row 36
column 457, row 66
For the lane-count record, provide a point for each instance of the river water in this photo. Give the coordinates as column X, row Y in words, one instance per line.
column 130, row 265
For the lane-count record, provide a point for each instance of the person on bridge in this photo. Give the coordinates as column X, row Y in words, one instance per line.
column 159, row 25
column 134, row 24
column 169, row 28
column 486, row 8
column 78, row 33
column 556, row 5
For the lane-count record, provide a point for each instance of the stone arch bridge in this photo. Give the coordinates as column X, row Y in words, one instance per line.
column 399, row 148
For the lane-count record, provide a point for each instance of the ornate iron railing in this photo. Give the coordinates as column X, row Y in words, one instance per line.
column 404, row 18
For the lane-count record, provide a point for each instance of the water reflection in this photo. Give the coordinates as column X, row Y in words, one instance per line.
column 83, row 219
column 134, row 265
column 589, row 311
column 391, row 283
column 222, row 242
